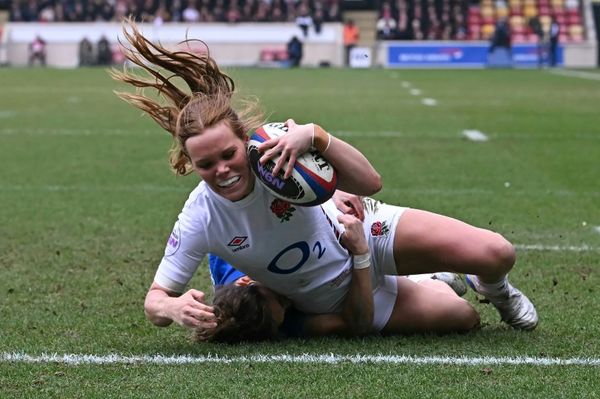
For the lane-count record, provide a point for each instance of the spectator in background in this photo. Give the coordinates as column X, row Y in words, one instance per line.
column 433, row 24
column 351, row 36
column 459, row 28
column 304, row 20
column 16, row 14
column 294, row 50
column 318, row 19
column 402, row 27
column 334, row 11
column 37, row 51
column 86, row 53
column 277, row 10
column 47, row 13
column 263, row 13
column 386, row 25
column 104, row 52
column 175, row 11
column 416, row 23
column 554, row 35
column 191, row 12
column 501, row 36
column 233, row 14
column 536, row 27
column 206, row 15
column 218, row 11
column 30, row 13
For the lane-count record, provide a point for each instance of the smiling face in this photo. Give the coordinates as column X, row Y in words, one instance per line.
column 218, row 155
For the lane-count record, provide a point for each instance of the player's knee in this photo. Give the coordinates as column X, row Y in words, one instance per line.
column 467, row 318
column 500, row 254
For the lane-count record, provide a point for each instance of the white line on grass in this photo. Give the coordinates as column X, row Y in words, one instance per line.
column 475, row 135
column 556, row 248
column 576, row 74
column 597, row 229
column 415, row 92
column 59, row 132
column 430, row 102
column 76, row 132
column 73, row 359
column 447, row 192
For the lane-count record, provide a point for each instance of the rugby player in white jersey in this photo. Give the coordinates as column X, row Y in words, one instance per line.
column 296, row 252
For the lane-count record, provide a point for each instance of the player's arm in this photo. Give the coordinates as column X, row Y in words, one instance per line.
column 356, row 317
column 356, row 175
column 163, row 306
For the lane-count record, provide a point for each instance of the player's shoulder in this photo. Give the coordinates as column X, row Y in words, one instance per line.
column 198, row 197
column 195, row 207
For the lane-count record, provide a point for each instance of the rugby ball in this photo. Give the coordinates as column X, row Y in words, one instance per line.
column 313, row 180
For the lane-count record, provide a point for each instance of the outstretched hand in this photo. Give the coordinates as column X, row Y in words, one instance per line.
column 189, row 310
column 354, row 236
column 288, row 147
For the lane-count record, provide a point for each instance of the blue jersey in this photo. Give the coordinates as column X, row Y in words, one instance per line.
column 221, row 272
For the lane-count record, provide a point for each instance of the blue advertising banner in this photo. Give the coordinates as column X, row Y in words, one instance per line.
column 459, row 55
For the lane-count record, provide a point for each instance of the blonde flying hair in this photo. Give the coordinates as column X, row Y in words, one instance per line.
column 182, row 113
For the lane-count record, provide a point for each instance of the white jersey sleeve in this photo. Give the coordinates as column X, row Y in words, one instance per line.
column 186, row 247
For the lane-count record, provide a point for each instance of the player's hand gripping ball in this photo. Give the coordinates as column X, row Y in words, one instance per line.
column 313, row 180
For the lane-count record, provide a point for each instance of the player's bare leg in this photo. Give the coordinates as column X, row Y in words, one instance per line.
column 429, row 306
column 427, row 243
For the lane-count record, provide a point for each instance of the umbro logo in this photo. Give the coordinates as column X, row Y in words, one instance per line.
column 238, row 243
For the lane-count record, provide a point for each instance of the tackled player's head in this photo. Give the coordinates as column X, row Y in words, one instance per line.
column 244, row 313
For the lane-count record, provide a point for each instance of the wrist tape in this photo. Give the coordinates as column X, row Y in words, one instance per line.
column 362, row 261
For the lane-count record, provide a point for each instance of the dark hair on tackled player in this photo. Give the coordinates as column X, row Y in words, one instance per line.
column 242, row 315
column 183, row 113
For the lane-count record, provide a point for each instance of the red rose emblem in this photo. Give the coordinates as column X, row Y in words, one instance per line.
column 283, row 210
column 376, row 229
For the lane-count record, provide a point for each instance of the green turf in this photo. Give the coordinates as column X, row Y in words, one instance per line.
column 87, row 202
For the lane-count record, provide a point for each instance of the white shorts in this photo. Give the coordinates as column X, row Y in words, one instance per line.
column 380, row 228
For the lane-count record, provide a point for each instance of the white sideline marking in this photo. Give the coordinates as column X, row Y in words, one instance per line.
column 7, row 113
column 597, row 229
column 393, row 190
column 576, row 74
column 72, row 359
column 429, row 102
column 77, row 132
column 556, row 248
column 406, row 84
column 415, row 92
column 475, row 135
column 341, row 133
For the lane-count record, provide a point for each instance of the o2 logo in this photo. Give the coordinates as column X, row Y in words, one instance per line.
column 299, row 249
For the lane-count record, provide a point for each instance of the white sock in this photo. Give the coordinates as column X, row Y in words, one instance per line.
column 492, row 289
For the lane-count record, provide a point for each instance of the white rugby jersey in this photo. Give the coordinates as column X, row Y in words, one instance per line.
column 293, row 250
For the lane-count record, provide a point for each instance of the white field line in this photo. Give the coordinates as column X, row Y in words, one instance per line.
column 576, row 74
column 74, row 359
column 77, row 132
column 405, row 191
column 430, row 102
column 475, row 135
column 341, row 133
column 597, row 229
column 556, row 248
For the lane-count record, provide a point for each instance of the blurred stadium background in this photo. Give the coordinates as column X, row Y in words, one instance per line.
column 393, row 33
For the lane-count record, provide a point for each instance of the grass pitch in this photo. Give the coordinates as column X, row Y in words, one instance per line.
column 87, row 202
